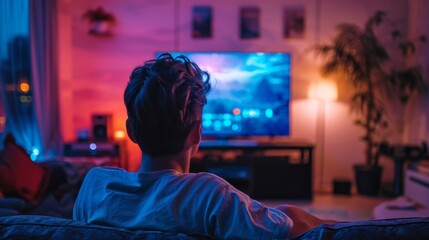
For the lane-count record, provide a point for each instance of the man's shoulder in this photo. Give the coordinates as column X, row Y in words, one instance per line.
column 105, row 170
column 205, row 176
column 205, row 180
column 104, row 174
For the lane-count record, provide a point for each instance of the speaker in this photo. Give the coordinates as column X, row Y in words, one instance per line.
column 102, row 127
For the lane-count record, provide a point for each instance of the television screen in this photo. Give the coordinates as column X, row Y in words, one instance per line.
column 250, row 93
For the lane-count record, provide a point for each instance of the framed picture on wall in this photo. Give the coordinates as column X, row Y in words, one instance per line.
column 293, row 22
column 249, row 22
column 202, row 22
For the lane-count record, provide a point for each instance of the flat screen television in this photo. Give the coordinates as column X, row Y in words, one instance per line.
column 250, row 93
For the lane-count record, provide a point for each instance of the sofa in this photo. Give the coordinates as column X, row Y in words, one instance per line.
column 52, row 188
column 47, row 227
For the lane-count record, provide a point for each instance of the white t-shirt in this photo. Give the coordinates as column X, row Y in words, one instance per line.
column 200, row 203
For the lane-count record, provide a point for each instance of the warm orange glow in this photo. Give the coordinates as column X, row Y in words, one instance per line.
column 236, row 111
column 2, row 120
column 119, row 134
column 24, row 87
column 323, row 90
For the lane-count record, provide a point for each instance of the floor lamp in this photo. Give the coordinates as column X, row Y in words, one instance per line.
column 324, row 92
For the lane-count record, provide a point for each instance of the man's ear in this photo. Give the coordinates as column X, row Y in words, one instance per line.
column 130, row 131
column 194, row 136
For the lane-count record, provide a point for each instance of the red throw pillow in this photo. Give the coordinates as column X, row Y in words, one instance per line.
column 20, row 176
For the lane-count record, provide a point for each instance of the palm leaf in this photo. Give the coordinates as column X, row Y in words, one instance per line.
column 358, row 55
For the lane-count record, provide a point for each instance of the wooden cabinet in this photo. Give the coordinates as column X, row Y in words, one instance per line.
column 262, row 170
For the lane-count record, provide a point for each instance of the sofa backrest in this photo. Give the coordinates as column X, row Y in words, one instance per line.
column 45, row 227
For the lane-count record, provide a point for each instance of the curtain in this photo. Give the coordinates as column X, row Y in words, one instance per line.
column 29, row 82
column 44, row 65
column 15, row 69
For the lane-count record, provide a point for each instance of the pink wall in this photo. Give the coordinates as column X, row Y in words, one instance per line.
column 97, row 69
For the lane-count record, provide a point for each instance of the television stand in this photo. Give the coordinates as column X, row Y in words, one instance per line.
column 228, row 142
column 280, row 170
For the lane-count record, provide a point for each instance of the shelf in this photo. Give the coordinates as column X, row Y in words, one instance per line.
column 101, row 153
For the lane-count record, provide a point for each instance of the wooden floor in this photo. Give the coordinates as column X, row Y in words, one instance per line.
column 336, row 207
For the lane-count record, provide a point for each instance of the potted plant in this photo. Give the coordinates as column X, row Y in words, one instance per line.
column 100, row 21
column 357, row 55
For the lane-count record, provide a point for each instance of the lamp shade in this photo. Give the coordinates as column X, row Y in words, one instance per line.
column 323, row 90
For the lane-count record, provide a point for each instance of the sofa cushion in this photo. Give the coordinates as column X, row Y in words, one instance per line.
column 386, row 229
column 16, row 204
column 21, row 177
column 44, row 227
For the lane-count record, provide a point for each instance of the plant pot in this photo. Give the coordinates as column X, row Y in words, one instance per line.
column 100, row 27
column 368, row 179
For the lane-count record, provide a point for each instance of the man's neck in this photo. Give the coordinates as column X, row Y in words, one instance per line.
column 179, row 162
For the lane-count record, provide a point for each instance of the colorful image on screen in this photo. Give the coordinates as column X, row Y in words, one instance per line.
column 250, row 93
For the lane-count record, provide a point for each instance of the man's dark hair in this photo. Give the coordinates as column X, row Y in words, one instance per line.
column 164, row 99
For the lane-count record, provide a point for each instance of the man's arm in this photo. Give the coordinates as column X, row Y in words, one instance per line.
column 234, row 215
column 302, row 220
